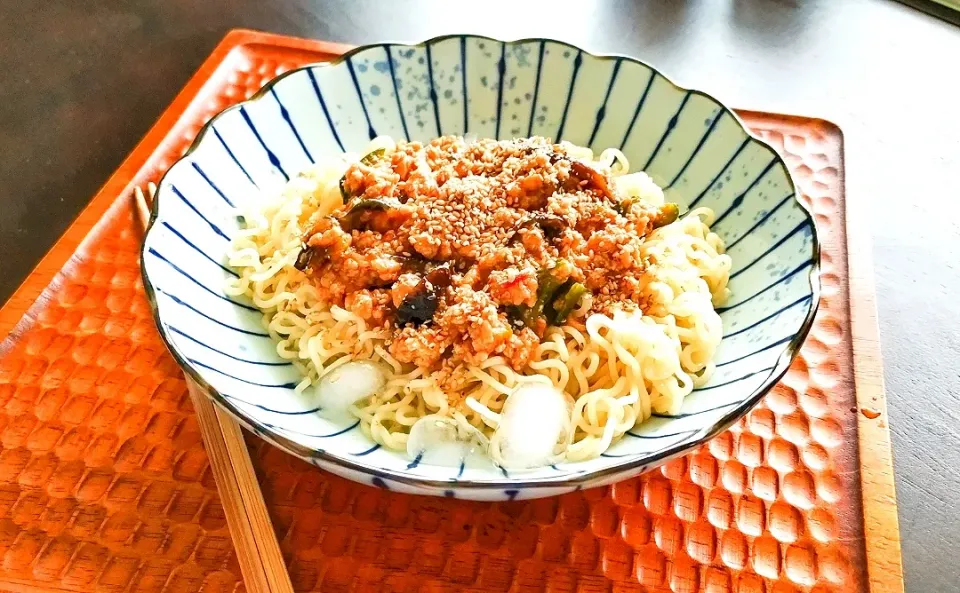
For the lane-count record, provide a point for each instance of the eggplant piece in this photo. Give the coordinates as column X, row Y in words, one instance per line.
column 420, row 305
column 308, row 257
column 440, row 277
column 303, row 259
column 551, row 225
column 667, row 214
column 594, row 179
column 374, row 212
column 582, row 172
column 417, row 308
column 368, row 160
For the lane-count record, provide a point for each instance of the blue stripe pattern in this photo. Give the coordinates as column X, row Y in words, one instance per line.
column 221, row 352
column 536, row 89
column 658, row 435
column 396, row 93
column 465, row 99
column 187, row 305
column 661, row 446
column 803, row 226
column 501, row 73
column 233, row 157
column 189, row 204
column 636, row 113
column 416, row 461
column 766, row 217
column 666, row 133
column 287, row 385
column 697, row 413
column 196, row 282
column 685, row 140
column 738, row 201
column 433, row 91
column 573, row 84
column 194, row 247
column 323, row 107
column 779, row 342
column 270, row 154
column 799, row 301
column 366, row 114
column 223, row 196
column 602, row 112
column 743, row 145
column 732, row 381
column 286, row 117
column 696, row 150
column 367, row 451
column 786, row 277
column 311, row 411
column 331, row 435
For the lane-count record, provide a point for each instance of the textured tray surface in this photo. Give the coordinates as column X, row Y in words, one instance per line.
column 104, row 484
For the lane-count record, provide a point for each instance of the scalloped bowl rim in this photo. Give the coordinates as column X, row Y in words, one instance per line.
column 629, row 466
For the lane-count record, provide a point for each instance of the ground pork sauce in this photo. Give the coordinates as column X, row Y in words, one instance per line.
column 466, row 250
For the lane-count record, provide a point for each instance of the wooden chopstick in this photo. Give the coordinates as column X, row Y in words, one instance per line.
column 254, row 539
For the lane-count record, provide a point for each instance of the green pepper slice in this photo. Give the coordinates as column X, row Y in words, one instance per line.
column 568, row 298
column 667, row 214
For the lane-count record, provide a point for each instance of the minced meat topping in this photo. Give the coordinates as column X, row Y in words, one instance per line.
column 467, row 250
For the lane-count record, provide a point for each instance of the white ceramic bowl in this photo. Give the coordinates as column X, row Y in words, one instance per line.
column 692, row 145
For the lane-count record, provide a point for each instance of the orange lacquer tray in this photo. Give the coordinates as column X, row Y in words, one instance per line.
column 105, row 486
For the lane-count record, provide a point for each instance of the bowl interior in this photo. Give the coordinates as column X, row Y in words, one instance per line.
column 691, row 145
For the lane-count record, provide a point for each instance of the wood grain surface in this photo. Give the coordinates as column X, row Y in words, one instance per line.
column 254, row 539
column 88, row 79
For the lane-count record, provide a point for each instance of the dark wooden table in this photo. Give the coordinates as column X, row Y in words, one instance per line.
column 84, row 80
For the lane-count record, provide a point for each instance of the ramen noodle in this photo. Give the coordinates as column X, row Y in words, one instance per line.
column 528, row 300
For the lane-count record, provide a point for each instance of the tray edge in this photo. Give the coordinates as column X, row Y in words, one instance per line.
column 881, row 524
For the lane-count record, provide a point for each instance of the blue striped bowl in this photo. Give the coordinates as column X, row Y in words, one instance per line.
column 692, row 145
